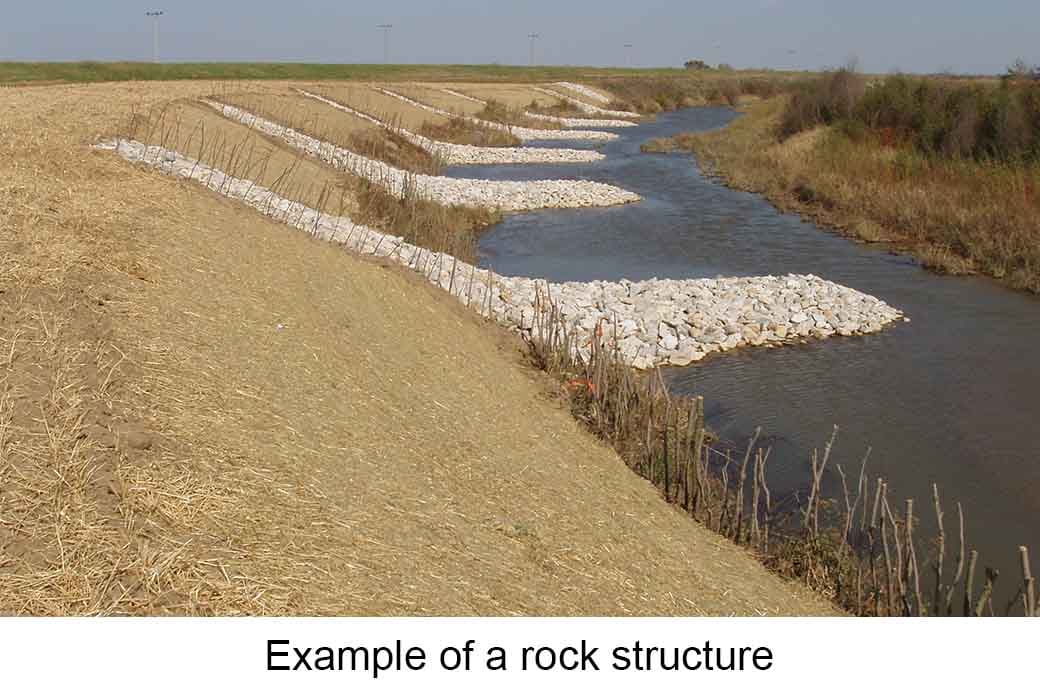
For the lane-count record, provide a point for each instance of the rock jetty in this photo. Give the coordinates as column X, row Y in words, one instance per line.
column 587, row 108
column 501, row 195
column 588, row 92
column 454, row 154
column 651, row 323
column 565, row 122
column 524, row 134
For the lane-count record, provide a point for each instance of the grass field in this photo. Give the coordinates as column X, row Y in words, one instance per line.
column 116, row 72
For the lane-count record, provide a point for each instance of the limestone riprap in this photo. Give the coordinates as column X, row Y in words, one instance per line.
column 566, row 122
column 525, row 134
column 585, row 91
column 501, row 195
column 587, row 108
column 652, row 322
column 455, row 154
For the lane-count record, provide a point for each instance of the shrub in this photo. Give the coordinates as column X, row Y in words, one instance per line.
column 939, row 117
column 822, row 101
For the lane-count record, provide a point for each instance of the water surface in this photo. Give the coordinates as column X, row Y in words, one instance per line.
column 951, row 397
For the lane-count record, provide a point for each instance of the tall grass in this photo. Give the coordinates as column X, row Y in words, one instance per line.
column 452, row 229
column 385, row 144
column 667, row 93
column 956, row 214
column 943, row 118
column 863, row 551
column 560, row 108
column 498, row 112
column 462, row 131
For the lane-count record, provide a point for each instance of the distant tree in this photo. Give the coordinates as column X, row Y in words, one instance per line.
column 1021, row 70
column 696, row 65
column 725, row 67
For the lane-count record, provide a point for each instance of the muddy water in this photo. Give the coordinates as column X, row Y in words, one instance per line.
column 952, row 397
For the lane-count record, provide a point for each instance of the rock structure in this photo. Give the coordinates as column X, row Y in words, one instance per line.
column 565, row 122
column 524, row 134
column 501, row 195
column 651, row 323
column 588, row 92
column 587, row 108
column 454, row 154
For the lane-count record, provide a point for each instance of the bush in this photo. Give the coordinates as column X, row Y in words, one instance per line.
column 822, row 101
column 935, row 116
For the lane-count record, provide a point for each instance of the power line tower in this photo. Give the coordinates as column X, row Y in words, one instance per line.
column 628, row 55
column 386, row 41
column 533, row 38
column 155, row 15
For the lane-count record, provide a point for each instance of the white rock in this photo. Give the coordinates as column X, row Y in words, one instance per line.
column 634, row 306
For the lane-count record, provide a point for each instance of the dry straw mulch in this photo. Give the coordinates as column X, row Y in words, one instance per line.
column 204, row 412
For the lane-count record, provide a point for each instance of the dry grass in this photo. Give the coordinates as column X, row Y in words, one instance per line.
column 666, row 93
column 464, row 132
column 560, row 108
column 367, row 99
column 341, row 128
column 498, row 112
column 103, row 510
column 955, row 215
column 207, row 413
column 415, row 119
column 432, row 95
column 516, row 97
column 200, row 132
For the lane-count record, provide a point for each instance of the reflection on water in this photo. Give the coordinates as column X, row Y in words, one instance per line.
column 950, row 398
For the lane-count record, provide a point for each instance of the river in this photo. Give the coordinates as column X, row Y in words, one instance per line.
column 952, row 397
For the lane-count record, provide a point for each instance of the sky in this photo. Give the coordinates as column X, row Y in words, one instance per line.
column 963, row 36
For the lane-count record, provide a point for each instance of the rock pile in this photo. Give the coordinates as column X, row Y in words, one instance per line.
column 653, row 322
column 454, row 154
column 565, row 122
column 587, row 108
column 501, row 195
column 525, row 134
column 586, row 91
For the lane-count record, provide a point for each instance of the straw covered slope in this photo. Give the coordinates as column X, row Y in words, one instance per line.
column 204, row 411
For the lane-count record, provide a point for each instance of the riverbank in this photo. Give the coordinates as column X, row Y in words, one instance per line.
column 954, row 216
column 209, row 413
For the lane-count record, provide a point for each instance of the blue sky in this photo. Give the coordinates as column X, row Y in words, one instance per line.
column 910, row 35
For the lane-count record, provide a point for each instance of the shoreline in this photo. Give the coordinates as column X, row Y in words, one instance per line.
column 722, row 158
column 652, row 323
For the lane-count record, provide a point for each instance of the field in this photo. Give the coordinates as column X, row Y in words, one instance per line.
column 203, row 411
column 27, row 73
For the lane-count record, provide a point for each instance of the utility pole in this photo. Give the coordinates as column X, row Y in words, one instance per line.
column 628, row 54
column 155, row 15
column 533, row 37
column 386, row 41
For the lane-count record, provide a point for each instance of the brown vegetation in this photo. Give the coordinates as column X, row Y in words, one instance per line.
column 860, row 551
column 200, row 132
column 205, row 412
column 462, row 131
column 955, row 214
column 669, row 93
column 498, row 112
column 329, row 124
column 560, row 108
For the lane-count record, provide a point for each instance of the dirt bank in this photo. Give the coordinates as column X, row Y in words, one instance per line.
column 202, row 411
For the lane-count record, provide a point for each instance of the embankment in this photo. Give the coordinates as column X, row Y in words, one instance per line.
column 955, row 215
column 207, row 412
